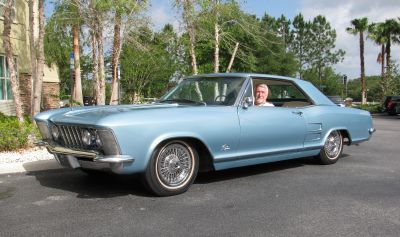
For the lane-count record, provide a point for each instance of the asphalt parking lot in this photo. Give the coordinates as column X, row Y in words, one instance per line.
column 358, row 196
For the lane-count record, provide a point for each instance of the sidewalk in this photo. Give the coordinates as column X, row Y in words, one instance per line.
column 29, row 166
column 29, row 160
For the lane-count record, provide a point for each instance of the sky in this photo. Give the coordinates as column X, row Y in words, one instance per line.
column 338, row 12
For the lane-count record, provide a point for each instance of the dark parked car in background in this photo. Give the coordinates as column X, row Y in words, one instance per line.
column 89, row 100
column 390, row 104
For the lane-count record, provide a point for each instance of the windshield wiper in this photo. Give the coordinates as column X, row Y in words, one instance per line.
column 183, row 101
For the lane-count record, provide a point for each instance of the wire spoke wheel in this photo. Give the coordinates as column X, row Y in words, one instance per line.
column 172, row 169
column 174, row 165
column 333, row 145
column 332, row 149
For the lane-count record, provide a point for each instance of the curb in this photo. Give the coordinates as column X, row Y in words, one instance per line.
column 31, row 166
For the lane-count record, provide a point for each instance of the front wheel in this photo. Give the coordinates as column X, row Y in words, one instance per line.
column 332, row 149
column 172, row 168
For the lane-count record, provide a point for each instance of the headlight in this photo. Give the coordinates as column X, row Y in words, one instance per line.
column 98, row 141
column 44, row 130
column 87, row 137
column 55, row 132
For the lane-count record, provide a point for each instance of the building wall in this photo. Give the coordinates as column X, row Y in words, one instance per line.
column 25, row 88
column 20, row 36
column 52, row 91
column 21, row 50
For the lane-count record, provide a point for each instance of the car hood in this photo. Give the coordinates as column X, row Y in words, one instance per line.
column 94, row 114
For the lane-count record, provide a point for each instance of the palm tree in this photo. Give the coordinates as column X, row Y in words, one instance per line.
column 391, row 30
column 359, row 26
column 375, row 32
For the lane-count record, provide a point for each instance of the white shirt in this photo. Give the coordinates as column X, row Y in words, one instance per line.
column 267, row 104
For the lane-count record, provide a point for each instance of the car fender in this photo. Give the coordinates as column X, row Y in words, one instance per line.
column 171, row 136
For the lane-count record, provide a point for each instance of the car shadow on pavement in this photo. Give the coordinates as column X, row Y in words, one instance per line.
column 107, row 185
column 216, row 176
column 90, row 186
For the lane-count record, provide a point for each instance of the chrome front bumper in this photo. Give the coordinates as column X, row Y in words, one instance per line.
column 87, row 159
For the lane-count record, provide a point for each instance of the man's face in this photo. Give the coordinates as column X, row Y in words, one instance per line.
column 261, row 95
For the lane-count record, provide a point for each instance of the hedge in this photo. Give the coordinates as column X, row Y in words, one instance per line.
column 14, row 136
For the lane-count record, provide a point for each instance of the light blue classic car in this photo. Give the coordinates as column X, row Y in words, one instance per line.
column 207, row 122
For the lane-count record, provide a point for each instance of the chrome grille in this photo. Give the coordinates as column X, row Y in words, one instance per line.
column 71, row 136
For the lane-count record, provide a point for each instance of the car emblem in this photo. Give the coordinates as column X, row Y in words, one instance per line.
column 225, row 147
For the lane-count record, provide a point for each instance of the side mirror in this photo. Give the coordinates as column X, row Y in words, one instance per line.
column 247, row 102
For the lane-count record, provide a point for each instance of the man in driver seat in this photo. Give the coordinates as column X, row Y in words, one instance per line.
column 261, row 95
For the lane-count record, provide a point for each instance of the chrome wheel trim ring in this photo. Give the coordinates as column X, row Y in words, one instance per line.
column 174, row 165
column 333, row 145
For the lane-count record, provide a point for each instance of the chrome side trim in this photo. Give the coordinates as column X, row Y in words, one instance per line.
column 244, row 157
column 67, row 151
column 371, row 130
column 114, row 159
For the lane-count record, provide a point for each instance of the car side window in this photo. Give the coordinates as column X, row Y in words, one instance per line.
column 284, row 93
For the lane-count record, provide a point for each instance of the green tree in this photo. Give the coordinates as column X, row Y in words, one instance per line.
column 300, row 36
column 125, row 13
column 145, row 71
column 359, row 26
column 65, row 24
column 322, row 43
column 376, row 33
column 332, row 82
column 391, row 30
column 57, row 48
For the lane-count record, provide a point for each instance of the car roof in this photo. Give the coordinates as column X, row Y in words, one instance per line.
column 259, row 75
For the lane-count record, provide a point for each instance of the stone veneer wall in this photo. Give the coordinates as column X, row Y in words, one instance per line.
column 50, row 98
column 25, row 88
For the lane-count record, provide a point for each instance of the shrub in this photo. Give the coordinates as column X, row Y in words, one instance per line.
column 378, row 108
column 14, row 135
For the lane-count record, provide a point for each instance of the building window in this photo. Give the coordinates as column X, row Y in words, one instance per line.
column 5, row 84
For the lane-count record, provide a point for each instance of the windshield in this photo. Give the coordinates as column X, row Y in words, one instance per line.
column 205, row 91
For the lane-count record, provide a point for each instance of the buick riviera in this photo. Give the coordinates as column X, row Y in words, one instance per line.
column 207, row 122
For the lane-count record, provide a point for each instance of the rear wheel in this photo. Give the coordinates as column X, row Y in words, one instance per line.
column 172, row 168
column 332, row 149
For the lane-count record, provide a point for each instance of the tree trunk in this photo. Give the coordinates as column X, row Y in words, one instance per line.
column 10, row 59
column 363, row 88
column 383, row 60
column 101, row 80
column 77, row 96
column 192, row 41
column 233, row 57
column 38, row 83
column 217, row 36
column 217, row 94
column 190, row 29
column 115, row 59
column 216, row 50
column 388, row 45
column 95, row 68
column 32, row 46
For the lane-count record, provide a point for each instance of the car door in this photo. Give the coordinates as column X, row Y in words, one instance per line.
column 267, row 130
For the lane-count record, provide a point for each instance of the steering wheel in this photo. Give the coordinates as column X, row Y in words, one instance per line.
column 219, row 97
